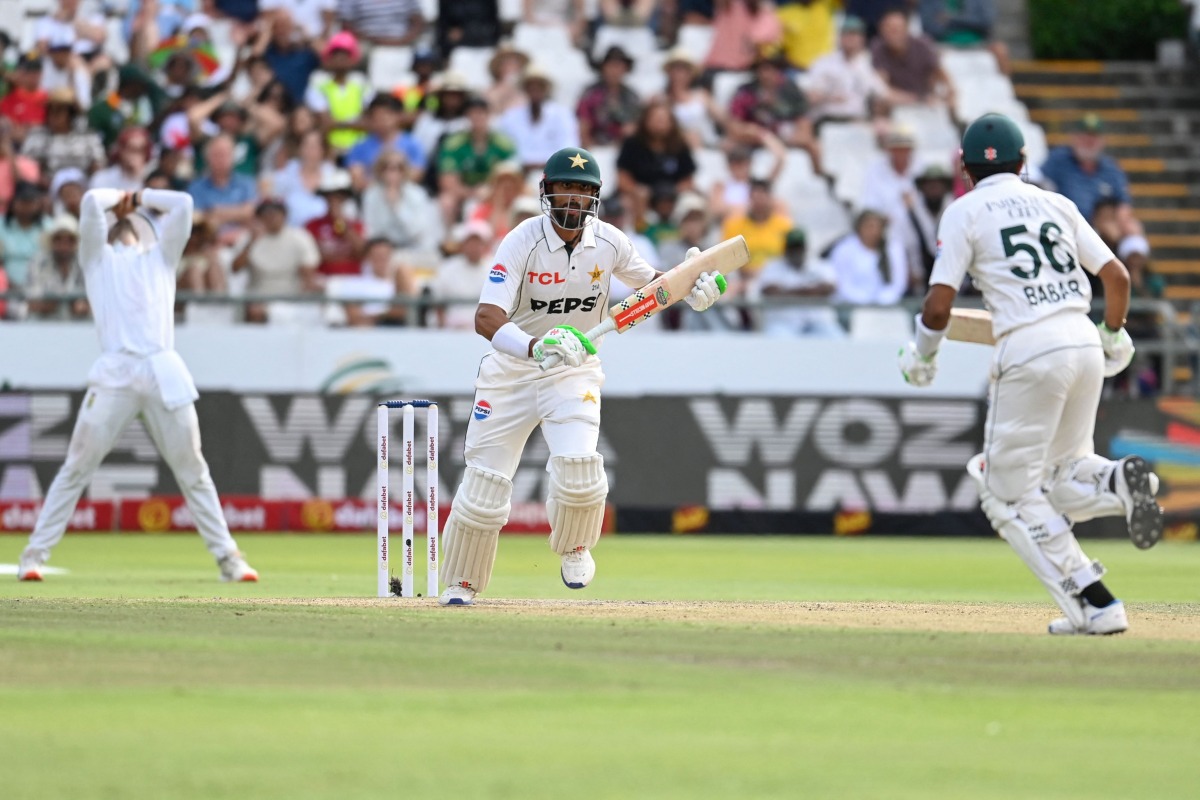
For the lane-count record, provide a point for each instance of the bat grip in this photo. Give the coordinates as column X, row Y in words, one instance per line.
column 607, row 324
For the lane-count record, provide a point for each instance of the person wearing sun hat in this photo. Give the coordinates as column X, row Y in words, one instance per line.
column 56, row 270
column 339, row 238
column 691, row 103
column 540, row 126
column 608, row 109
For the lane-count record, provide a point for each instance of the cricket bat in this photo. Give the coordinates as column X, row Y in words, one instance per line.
column 667, row 289
column 971, row 325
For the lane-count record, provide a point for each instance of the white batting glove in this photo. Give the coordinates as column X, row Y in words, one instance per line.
column 1118, row 349
column 916, row 368
column 565, row 342
column 709, row 286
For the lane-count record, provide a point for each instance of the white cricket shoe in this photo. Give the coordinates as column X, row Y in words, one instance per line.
column 234, row 569
column 457, row 595
column 1136, row 485
column 578, row 568
column 1100, row 621
column 29, row 568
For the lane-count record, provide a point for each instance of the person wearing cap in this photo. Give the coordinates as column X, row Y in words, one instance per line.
column 66, row 192
column 506, row 67
column 1039, row 473
column 742, row 29
column 14, row 167
column 910, row 64
column 339, row 238
column 1082, row 172
column 691, row 103
column 934, row 194
column 130, row 268
column 65, row 69
column 456, row 286
column 22, row 229
column 54, row 271
column 413, row 96
column 870, row 263
column 400, row 210
column 383, row 23
column 468, row 158
column 25, row 103
column 608, row 110
column 226, row 197
column 540, row 126
column 340, row 93
column 385, row 134
column 844, row 86
column 889, row 180
column 61, row 143
column 809, row 29
column 138, row 101
column 281, row 259
column 795, row 275
column 252, row 130
column 772, row 103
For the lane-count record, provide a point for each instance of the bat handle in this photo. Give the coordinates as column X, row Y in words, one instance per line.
column 607, row 324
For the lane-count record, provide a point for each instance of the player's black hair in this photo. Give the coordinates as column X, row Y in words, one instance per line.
column 980, row 171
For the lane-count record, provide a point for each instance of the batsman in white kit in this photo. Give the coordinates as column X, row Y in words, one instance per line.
column 550, row 282
column 1026, row 249
column 130, row 272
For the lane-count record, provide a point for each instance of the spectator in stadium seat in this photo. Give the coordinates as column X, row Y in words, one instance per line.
column 130, row 157
column 608, row 109
column 383, row 23
column 772, row 103
column 1084, row 174
column 506, row 67
column 742, row 29
column 282, row 260
column 934, row 193
column 888, row 182
column 467, row 23
column 384, row 121
column 692, row 225
column 869, row 263
column 200, row 269
column 809, row 30
column 412, row 95
column 288, row 52
column 540, row 126
column 300, row 180
column 872, row 11
column 340, row 93
column 910, row 64
column 468, row 158
column 399, row 210
column 64, row 69
column 138, row 101
column 383, row 279
column 732, row 195
column 14, row 167
column 61, row 143
column 504, row 186
column 571, row 13
column 87, row 31
column 691, row 103
column 460, row 278
column 762, row 224
column 21, row 231
column 55, row 270
column 226, row 198
column 963, row 23
column 66, row 192
column 299, row 123
column 656, row 154
column 339, row 238
column 795, row 275
column 252, row 130
column 444, row 114
column 844, row 85
column 315, row 18
column 25, row 104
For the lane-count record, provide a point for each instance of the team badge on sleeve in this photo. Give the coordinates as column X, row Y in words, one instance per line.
column 483, row 410
column 499, row 274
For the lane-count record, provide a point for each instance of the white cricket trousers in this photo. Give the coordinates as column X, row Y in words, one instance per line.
column 105, row 413
column 565, row 405
column 1046, row 383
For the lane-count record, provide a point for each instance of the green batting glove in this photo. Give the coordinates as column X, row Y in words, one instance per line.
column 578, row 334
column 722, row 284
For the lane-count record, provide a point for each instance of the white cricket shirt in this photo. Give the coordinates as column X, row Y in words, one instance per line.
column 1023, row 247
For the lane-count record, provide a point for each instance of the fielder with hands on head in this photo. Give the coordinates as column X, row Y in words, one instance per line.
column 550, row 282
column 130, row 272
column 1027, row 249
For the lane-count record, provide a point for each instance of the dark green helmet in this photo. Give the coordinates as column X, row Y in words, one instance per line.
column 572, row 164
column 992, row 139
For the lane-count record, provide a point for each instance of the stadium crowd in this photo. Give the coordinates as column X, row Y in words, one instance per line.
column 372, row 153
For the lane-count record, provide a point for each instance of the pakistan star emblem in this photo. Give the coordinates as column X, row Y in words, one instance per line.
column 588, row 397
column 595, row 274
column 578, row 161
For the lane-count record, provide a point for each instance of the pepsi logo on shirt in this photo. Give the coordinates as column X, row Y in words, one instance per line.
column 483, row 410
column 499, row 274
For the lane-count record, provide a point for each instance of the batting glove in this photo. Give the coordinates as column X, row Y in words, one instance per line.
column 567, row 343
column 1118, row 349
column 709, row 286
column 917, row 369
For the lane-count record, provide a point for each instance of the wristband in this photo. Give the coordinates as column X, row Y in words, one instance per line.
column 928, row 340
column 512, row 341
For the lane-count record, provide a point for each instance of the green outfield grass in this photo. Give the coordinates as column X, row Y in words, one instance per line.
column 139, row 675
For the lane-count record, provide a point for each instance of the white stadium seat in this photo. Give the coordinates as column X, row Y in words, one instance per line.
column 472, row 63
column 825, row 221
column 846, row 149
column 606, row 160
column 930, row 124
column 711, row 167
column 696, row 40
column 881, row 324
column 388, row 66
column 637, row 42
column 957, row 62
column 725, row 84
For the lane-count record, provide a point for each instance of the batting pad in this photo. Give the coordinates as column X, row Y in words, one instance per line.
column 472, row 530
column 575, row 502
column 1080, row 490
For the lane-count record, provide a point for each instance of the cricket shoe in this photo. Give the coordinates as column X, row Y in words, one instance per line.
column 1100, row 621
column 457, row 595
column 29, row 568
column 1136, row 485
column 578, row 568
column 234, row 569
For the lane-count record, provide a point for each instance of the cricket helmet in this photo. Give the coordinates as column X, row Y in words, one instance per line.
column 576, row 165
column 992, row 139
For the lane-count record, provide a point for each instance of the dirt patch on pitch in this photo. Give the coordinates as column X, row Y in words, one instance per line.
column 1178, row 623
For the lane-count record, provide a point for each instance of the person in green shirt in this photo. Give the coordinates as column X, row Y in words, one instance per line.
column 465, row 159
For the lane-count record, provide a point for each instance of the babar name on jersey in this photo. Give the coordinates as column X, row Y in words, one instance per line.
column 1052, row 292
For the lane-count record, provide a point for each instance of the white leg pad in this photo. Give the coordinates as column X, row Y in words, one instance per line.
column 1080, row 489
column 472, row 531
column 575, row 502
column 1041, row 537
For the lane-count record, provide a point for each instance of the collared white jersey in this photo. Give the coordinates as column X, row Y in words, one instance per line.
column 1023, row 247
column 132, row 289
column 540, row 285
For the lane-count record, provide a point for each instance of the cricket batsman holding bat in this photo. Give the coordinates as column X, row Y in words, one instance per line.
column 550, row 282
column 1027, row 249
column 130, row 276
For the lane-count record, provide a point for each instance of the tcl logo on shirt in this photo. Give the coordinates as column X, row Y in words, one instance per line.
column 563, row 305
column 499, row 274
column 546, row 278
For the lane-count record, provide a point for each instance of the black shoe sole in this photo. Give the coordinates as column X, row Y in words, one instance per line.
column 1146, row 521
